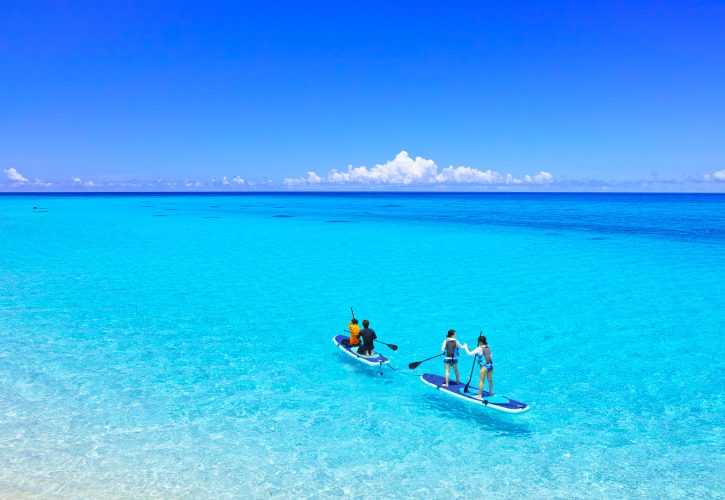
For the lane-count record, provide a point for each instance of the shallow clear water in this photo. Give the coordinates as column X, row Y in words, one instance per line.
column 181, row 345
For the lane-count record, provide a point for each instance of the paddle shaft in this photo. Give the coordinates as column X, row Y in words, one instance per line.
column 416, row 364
column 465, row 389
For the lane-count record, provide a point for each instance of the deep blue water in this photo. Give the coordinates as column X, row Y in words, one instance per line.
column 179, row 345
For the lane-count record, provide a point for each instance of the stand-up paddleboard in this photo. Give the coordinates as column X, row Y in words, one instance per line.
column 351, row 351
column 496, row 402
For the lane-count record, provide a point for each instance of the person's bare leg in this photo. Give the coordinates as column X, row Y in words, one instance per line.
column 455, row 369
column 481, row 377
column 490, row 382
column 448, row 373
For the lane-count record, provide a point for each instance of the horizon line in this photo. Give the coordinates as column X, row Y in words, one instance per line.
column 331, row 192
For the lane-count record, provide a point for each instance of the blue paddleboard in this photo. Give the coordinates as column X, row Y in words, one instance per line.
column 375, row 360
column 496, row 402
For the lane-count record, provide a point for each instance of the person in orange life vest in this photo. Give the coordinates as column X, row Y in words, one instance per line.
column 354, row 330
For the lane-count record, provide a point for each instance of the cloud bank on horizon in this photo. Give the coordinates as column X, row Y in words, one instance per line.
column 406, row 171
column 402, row 172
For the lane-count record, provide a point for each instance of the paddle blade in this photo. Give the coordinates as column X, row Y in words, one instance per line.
column 465, row 389
column 390, row 346
column 415, row 365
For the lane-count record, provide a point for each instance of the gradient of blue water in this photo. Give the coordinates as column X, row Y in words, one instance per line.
column 180, row 345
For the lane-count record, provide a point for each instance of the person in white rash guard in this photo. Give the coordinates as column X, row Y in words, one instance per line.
column 450, row 349
column 485, row 362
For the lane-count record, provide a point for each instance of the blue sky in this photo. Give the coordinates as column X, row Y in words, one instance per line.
column 420, row 95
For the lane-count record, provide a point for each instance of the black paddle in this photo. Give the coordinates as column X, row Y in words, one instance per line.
column 392, row 346
column 353, row 312
column 416, row 364
column 465, row 389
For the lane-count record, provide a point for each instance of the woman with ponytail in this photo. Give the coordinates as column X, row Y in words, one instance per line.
column 485, row 362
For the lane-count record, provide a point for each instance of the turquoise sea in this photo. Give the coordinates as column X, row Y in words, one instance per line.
column 180, row 345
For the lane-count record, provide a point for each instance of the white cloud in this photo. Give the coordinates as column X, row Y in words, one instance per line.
column 14, row 175
column 77, row 180
column 718, row 176
column 238, row 180
column 312, row 178
column 542, row 177
column 406, row 171
column 468, row 175
column 401, row 170
column 225, row 181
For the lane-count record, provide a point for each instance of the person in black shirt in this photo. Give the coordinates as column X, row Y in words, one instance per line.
column 367, row 335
